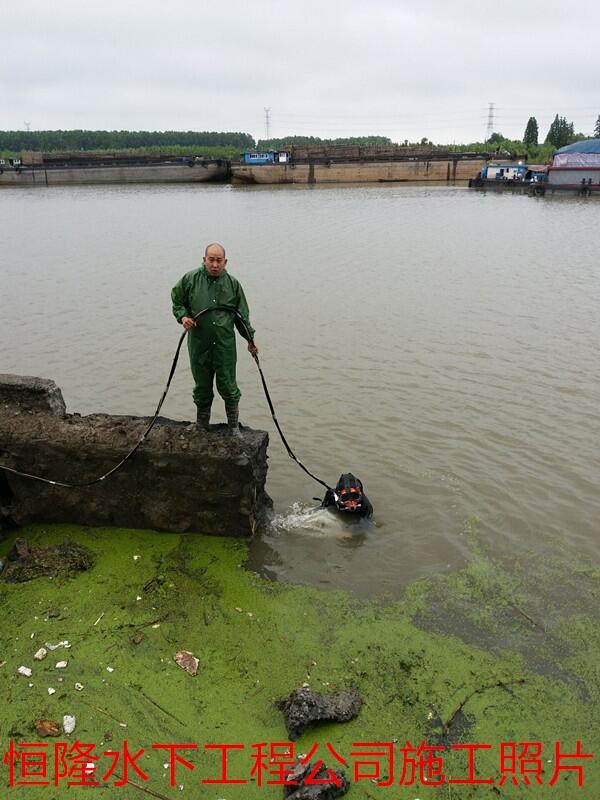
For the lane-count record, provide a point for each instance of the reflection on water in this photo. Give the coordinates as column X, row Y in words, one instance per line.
column 439, row 344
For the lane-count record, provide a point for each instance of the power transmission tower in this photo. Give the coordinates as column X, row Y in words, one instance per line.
column 28, row 126
column 490, row 122
column 267, row 124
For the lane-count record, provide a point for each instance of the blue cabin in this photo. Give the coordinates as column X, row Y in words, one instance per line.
column 504, row 171
column 272, row 157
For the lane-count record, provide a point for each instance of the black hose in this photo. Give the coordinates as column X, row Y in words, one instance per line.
column 144, row 436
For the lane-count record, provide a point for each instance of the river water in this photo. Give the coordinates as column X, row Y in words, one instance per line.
column 441, row 344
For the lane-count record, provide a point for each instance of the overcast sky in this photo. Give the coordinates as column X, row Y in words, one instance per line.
column 324, row 68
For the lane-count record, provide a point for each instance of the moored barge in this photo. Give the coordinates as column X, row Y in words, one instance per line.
column 353, row 163
column 62, row 169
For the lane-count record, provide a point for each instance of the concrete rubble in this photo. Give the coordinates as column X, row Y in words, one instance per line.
column 26, row 562
column 334, row 783
column 304, row 708
column 179, row 480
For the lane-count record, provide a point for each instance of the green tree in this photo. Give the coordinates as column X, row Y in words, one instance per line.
column 530, row 137
column 597, row 128
column 495, row 138
column 560, row 132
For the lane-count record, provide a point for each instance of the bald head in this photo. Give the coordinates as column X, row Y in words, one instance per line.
column 219, row 248
column 214, row 259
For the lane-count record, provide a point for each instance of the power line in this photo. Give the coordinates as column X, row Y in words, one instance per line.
column 506, row 112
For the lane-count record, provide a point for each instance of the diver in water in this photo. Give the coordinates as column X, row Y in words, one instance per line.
column 348, row 497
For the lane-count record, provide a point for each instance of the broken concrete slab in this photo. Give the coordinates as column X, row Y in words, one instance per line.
column 304, row 708
column 34, row 394
column 179, row 480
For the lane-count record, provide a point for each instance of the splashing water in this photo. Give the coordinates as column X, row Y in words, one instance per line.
column 309, row 520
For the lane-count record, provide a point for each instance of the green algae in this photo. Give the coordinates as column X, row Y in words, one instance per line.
column 492, row 653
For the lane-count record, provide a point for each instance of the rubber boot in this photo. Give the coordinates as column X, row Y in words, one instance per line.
column 232, row 411
column 202, row 417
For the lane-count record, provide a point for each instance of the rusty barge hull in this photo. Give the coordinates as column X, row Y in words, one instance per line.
column 39, row 175
column 444, row 170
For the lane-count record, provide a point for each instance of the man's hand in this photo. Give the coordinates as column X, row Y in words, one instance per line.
column 188, row 323
column 252, row 349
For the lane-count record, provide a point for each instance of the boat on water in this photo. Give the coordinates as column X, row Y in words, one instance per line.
column 59, row 169
column 575, row 168
column 326, row 163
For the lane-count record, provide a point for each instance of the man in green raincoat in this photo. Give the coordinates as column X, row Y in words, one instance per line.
column 211, row 338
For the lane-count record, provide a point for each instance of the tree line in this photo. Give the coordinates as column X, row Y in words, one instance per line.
column 230, row 145
column 281, row 144
column 70, row 140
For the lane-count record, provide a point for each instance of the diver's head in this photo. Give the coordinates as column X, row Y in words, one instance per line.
column 349, row 493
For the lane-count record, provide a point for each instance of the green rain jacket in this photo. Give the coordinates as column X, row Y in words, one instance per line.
column 211, row 344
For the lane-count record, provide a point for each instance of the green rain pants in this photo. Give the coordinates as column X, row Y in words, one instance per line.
column 217, row 361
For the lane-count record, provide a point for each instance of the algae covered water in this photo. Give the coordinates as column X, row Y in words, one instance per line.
column 440, row 344
column 149, row 595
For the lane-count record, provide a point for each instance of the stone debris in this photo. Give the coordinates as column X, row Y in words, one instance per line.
column 79, row 687
column 51, row 690
column 26, row 671
column 336, row 783
column 41, row 654
column 187, row 661
column 26, row 563
column 20, row 549
column 47, row 727
column 69, row 723
column 64, row 644
column 61, row 664
column 304, row 707
column 137, row 637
